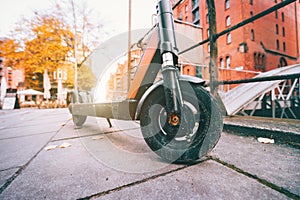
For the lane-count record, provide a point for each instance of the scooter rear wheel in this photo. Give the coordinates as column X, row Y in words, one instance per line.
column 197, row 133
column 78, row 120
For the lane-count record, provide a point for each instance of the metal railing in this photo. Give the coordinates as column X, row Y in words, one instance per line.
column 282, row 101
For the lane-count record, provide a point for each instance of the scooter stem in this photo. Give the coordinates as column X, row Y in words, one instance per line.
column 169, row 56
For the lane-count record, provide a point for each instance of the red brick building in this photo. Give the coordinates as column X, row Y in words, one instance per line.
column 265, row 44
column 117, row 85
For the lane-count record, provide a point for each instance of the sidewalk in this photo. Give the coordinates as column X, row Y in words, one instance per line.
column 98, row 162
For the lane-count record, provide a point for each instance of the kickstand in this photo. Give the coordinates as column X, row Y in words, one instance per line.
column 109, row 123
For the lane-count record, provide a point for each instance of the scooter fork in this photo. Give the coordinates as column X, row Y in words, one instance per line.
column 169, row 56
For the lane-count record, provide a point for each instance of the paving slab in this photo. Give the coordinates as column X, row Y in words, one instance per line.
column 29, row 130
column 207, row 180
column 17, row 152
column 72, row 173
column 91, row 127
column 95, row 126
column 32, row 117
column 278, row 164
column 125, row 152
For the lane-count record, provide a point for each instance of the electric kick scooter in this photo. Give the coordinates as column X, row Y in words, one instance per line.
column 180, row 120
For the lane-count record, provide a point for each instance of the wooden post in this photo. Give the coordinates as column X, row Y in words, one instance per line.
column 213, row 63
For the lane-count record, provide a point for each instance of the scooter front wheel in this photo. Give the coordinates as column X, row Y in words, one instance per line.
column 194, row 136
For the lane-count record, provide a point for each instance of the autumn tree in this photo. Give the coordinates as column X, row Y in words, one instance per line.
column 46, row 49
column 9, row 51
column 47, row 41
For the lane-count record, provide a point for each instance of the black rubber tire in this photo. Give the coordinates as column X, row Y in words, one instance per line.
column 204, row 124
column 78, row 120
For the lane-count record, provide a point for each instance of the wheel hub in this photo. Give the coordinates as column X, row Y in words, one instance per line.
column 174, row 119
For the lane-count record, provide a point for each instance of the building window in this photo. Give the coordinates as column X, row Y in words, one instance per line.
column 198, row 71
column 227, row 4
column 221, row 63
column 282, row 62
column 275, row 1
column 276, row 14
column 195, row 3
column 260, row 61
column 283, row 31
column 228, row 21
column 252, row 35
column 277, row 29
column 282, row 16
column 207, row 18
column 186, row 8
column 251, row 14
column 284, row 47
column 229, row 39
column 228, row 62
column 207, row 33
column 263, row 59
column 251, row 2
column 180, row 16
column 196, row 16
column 277, row 45
column 208, row 47
column 186, row 19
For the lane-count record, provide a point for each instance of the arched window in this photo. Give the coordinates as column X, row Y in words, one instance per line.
column 259, row 59
column 227, row 4
column 255, row 59
column 277, row 29
column 284, row 47
column 282, row 62
column 221, row 63
column 282, row 16
column 252, row 35
column 277, row 45
column 283, row 31
column 208, row 47
column 228, row 21
column 228, row 62
column 229, row 39
column 263, row 59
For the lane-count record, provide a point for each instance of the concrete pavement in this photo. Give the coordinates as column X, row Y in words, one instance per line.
column 99, row 162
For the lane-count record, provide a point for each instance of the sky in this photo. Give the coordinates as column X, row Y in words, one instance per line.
column 114, row 13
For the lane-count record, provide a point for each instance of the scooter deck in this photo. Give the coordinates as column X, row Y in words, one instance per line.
column 124, row 110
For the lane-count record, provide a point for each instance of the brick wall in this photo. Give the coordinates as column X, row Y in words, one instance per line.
column 263, row 45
